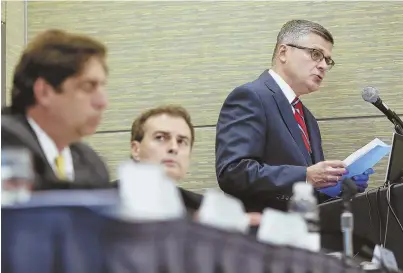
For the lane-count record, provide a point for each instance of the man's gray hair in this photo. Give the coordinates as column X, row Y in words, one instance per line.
column 294, row 30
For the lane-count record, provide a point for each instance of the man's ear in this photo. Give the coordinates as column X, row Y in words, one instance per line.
column 135, row 150
column 282, row 50
column 42, row 92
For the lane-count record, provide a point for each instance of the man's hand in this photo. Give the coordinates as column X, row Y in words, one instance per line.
column 361, row 180
column 325, row 174
column 254, row 217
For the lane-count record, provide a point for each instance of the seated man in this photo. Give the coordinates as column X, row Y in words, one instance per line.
column 165, row 135
column 58, row 97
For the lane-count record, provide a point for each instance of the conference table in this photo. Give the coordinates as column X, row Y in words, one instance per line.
column 80, row 231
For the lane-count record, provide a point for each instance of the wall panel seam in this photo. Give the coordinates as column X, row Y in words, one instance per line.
column 212, row 126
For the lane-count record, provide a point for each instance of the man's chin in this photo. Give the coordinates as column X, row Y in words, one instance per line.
column 172, row 174
column 313, row 87
column 92, row 125
column 89, row 130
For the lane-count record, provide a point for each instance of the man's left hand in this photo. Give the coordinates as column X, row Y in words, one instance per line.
column 361, row 180
column 254, row 218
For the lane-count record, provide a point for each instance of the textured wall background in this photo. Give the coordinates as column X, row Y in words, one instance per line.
column 12, row 13
column 195, row 53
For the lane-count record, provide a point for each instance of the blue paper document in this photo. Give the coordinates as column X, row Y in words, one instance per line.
column 360, row 161
column 366, row 157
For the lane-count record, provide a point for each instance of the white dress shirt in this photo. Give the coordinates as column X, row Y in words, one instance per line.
column 288, row 92
column 51, row 152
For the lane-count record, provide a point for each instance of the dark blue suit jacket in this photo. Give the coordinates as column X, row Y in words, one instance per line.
column 260, row 152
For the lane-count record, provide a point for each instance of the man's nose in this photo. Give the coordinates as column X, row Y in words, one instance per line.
column 101, row 100
column 173, row 147
column 323, row 66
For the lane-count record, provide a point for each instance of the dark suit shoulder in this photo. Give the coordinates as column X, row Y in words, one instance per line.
column 261, row 88
column 15, row 131
column 91, row 159
column 11, row 123
column 85, row 148
column 192, row 200
column 252, row 98
column 248, row 91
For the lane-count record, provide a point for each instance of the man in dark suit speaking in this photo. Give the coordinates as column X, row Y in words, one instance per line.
column 266, row 139
column 58, row 97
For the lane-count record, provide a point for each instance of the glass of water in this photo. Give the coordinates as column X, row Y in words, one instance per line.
column 17, row 175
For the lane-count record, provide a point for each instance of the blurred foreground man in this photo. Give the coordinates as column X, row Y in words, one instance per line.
column 165, row 135
column 58, row 97
column 266, row 139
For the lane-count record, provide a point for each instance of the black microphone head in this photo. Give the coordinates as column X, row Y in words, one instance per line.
column 370, row 94
column 349, row 188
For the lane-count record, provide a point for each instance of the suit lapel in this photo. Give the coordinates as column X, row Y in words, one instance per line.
column 314, row 138
column 30, row 140
column 288, row 117
column 23, row 130
column 81, row 171
column 84, row 169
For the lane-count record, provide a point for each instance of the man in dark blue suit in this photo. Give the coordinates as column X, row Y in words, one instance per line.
column 266, row 139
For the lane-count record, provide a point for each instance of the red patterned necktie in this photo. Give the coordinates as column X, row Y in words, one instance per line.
column 299, row 117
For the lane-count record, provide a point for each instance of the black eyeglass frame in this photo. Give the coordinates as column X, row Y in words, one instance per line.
column 318, row 58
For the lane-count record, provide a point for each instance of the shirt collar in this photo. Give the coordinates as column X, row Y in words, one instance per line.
column 287, row 90
column 47, row 144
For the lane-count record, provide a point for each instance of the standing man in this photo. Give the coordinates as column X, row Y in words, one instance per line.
column 266, row 139
column 58, row 97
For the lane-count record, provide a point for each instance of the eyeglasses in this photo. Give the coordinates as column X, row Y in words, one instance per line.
column 316, row 55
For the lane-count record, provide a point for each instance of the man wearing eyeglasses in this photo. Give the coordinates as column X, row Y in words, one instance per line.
column 266, row 139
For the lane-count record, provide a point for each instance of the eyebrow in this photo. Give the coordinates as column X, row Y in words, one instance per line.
column 168, row 133
column 184, row 137
column 321, row 50
column 316, row 48
column 93, row 82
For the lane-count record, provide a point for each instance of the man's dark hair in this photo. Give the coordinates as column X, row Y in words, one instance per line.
column 137, row 132
column 53, row 55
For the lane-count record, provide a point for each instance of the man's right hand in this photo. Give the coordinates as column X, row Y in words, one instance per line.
column 326, row 173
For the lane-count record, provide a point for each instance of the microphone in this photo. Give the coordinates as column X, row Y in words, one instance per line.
column 349, row 190
column 371, row 94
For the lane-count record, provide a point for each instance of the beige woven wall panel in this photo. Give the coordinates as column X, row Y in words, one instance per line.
column 340, row 139
column 15, row 39
column 3, row 11
column 195, row 53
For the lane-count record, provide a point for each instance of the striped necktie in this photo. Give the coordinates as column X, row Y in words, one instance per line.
column 299, row 117
column 60, row 167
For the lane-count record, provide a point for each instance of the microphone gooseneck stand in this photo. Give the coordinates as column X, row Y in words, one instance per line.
column 347, row 226
column 349, row 190
column 398, row 127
